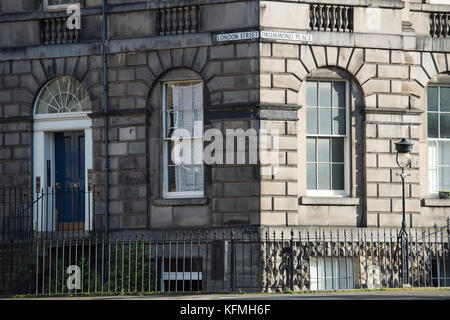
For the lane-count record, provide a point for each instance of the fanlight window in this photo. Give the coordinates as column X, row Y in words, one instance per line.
column 62, row 95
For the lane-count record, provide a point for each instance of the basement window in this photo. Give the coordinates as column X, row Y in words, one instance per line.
column 331, row 273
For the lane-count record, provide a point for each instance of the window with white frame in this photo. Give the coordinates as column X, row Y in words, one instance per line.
column 183, row 112
column 59, row 4
column 331, row 273
column 438, row 118
column 327, row 138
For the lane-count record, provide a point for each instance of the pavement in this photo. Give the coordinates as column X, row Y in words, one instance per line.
column 411, row 294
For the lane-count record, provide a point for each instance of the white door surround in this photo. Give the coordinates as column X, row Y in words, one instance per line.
column 44, row 127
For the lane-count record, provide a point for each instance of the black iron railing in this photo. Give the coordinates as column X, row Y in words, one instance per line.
column 49, row 213
column 226, row 261
column 48, row 245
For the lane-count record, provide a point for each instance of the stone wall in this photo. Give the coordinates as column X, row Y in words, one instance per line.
column 249, row 84
column 374, row 263
column 231, row 81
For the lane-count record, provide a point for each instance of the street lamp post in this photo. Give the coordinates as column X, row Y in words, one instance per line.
column 403, row 158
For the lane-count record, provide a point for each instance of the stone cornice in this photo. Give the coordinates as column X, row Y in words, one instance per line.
column 115, row 46
column 423, row 7
column 390, row 4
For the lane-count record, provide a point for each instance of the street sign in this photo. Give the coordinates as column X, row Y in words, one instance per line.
column 238, row 36
column 276, row 35
column 272, row 35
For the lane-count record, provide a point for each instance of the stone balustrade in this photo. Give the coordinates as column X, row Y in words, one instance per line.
column 55, row 31
column 178, row 20
column 325, row 17
column 439, row 24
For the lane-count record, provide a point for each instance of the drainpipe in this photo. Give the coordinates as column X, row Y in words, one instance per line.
column 105, row 110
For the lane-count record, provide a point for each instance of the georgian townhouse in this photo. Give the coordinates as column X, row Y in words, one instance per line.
column 341, row 82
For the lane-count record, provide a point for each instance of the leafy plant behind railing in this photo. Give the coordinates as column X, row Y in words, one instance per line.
column 127, row 270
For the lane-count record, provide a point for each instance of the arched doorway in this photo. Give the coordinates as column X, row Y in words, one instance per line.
column 62, row 156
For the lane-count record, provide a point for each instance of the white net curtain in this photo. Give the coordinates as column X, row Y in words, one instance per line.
column 184, row 110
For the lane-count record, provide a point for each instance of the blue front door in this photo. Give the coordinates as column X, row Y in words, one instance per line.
column 69, row 180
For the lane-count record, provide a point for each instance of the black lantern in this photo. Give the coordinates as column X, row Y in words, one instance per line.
column 403, row 148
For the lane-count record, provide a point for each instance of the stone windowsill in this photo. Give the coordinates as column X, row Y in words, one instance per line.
column 328, row 201
column 435, row 202
column 180, row 202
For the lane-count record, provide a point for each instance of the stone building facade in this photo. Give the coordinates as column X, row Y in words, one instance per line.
column 370, row 61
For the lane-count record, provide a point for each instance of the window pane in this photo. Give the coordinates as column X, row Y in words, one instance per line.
column 311, row 176
column 444, row 98
column 323, row 146
column 432, row 167
column 325, row 121
column 170, row 124
column 325, row 94
column 445, row 125
column 197, row 95
column 445, row 178
column 311, row 120
column 197, row 151
column 311, row 93
column 338, row 177
column 432, row 97
column 339, row 121
column 185, row 96
column 198, row 171
column 338, row 149
column 432, row 154
column 185, row 120
column 339, row 94
column 198, row 123
column 432, row 180
column 444, row 153
column 324, row 176
column 171, row 179
column 432, row 125
column 311, row 150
